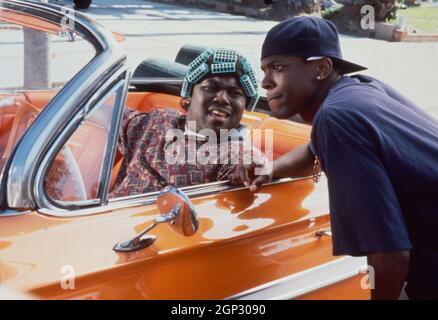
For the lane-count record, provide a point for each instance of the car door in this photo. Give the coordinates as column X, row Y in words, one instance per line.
column 245, row 240
column 59, row 230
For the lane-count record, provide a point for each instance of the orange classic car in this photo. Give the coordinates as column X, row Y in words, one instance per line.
column 63, row 237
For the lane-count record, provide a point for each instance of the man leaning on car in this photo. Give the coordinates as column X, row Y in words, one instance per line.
column 378, row 150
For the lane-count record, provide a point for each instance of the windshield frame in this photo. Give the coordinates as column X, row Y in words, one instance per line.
column 18, row 175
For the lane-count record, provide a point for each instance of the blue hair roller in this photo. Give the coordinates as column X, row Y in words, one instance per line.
column 247, row 86
column 186, row 89
column 198, row 73
column 225, row 56
column 202, row 58
column 223, row 68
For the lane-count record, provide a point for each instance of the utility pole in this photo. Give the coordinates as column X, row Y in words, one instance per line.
column 36, row 58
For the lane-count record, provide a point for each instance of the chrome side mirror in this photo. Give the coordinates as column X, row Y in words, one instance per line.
column 183, row 217
column 176, row 209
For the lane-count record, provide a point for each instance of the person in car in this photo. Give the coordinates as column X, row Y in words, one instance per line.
column 218, row 87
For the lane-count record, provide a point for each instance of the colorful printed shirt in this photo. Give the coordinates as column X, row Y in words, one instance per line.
column 143, row 144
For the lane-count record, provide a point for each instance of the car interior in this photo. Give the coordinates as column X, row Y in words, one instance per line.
column 80, row 156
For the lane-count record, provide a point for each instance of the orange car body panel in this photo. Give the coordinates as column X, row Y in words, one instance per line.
column 344, row 290
column 244, row 239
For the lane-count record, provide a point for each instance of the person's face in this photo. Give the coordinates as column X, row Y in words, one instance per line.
column 217, row 103
column 289, row 83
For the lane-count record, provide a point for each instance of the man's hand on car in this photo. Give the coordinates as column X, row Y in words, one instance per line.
column 253, row 175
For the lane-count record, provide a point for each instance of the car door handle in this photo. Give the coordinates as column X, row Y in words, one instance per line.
column 323, row 233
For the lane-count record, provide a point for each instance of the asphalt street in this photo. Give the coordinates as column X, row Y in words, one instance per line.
column 158, row 30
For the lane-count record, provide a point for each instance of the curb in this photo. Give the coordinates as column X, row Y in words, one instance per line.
column 383, row 31
column 231, row 7
column 403, row 36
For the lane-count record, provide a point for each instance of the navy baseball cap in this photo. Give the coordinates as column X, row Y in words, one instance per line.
column 309, row 37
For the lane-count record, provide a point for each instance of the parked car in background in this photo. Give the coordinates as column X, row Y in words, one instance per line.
column 63, row 237
column 82, row 4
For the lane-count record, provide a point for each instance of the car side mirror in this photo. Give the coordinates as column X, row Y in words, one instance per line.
column 176, row 209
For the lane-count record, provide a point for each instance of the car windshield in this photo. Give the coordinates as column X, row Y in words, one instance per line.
column 37, row 58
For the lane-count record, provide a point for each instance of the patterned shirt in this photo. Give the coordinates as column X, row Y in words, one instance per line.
column 143, row 144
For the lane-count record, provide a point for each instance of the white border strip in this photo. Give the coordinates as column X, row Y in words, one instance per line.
column 306, row 281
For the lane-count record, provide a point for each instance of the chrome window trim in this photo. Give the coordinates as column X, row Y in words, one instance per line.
column 152, row 80
column 87, row 28
column 112, row 142
column 151, row 198
column 23, row 90
column 112, row 85
column 21, row 168
column 307, row 281
column 13, row 213
column 208, row 188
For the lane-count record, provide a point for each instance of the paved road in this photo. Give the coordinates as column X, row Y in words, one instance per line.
column 158, row 30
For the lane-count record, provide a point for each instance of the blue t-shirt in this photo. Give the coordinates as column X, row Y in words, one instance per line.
column 379, row 152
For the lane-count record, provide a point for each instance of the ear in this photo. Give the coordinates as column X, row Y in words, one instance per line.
column 324, row 68
column 185, row 103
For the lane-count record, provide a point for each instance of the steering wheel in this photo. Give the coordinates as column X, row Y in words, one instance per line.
column 25, row 114
column 75, row 173
column 63, row 171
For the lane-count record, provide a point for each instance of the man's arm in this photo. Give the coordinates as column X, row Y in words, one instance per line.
column 296, row 163
column 390, row 271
